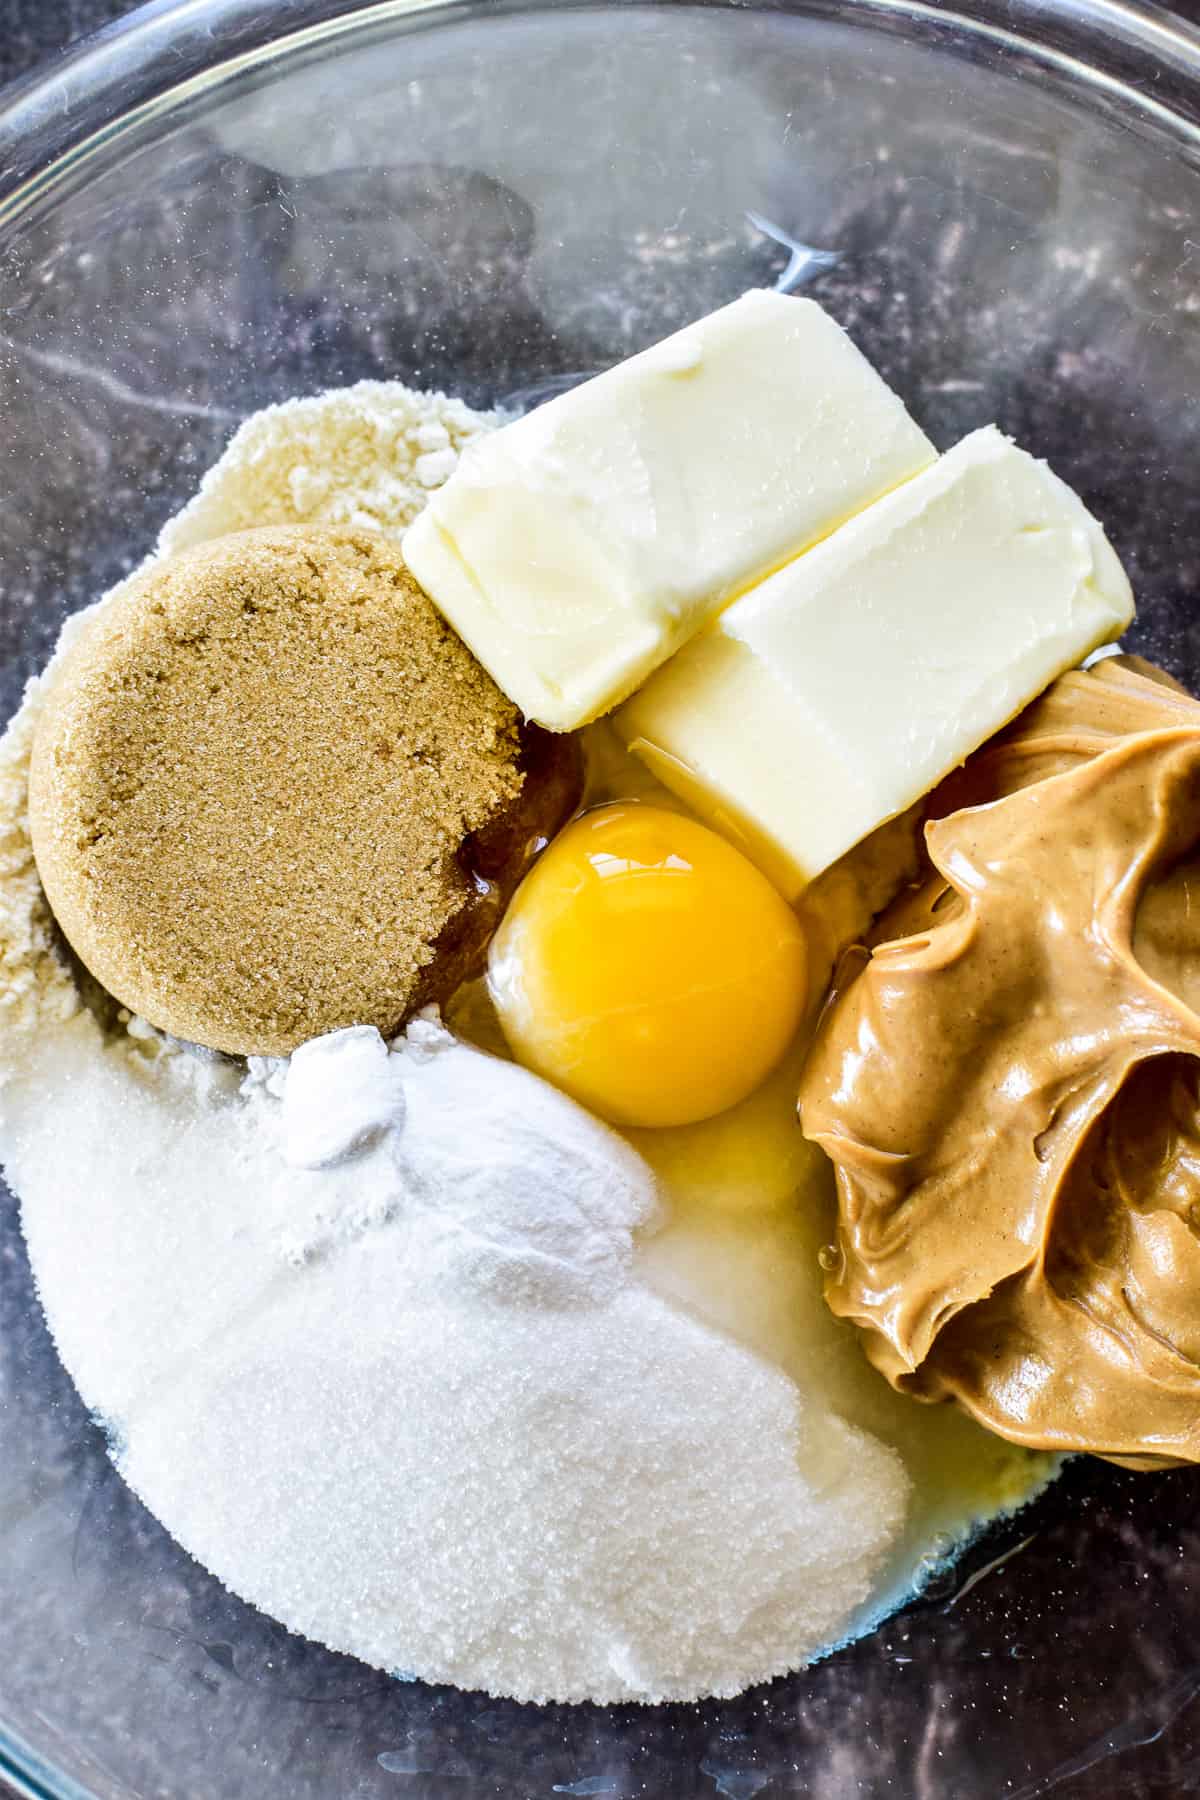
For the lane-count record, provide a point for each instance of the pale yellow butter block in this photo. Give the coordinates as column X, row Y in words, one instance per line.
column 575, row 549
column 840, row 690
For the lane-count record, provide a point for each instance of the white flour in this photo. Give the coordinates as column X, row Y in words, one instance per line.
column 366, row 455
column 412, row 1397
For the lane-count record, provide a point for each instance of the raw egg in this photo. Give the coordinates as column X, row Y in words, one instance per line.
column 647, row 968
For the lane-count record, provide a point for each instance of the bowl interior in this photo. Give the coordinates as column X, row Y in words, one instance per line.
column 498, row 201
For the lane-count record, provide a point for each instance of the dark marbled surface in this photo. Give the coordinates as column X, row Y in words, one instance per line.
column 31, row 31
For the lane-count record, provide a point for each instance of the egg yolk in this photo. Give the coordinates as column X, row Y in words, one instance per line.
column 647, row 968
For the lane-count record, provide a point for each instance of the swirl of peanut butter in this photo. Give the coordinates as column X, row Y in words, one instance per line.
column 1008, row 1083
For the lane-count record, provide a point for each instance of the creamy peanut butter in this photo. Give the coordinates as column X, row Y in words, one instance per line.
column 1008, row 1082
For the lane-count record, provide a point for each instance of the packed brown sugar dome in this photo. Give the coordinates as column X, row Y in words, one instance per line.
column 254, row 795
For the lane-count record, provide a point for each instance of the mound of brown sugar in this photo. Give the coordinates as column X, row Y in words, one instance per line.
column 255, row 785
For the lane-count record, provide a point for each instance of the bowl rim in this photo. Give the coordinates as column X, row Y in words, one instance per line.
column 25, row 1774
column 55, row 122
column 1133, row 53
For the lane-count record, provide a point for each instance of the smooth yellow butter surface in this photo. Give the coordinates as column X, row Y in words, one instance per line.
column 836, row 693
column 575, row 549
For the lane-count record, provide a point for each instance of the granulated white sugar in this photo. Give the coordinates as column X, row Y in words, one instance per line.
column 497, row 1445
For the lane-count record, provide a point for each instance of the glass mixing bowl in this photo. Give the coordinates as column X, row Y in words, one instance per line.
column 224, row 202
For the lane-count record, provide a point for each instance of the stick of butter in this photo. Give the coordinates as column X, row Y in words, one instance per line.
column 840, row 690
column 575, row 549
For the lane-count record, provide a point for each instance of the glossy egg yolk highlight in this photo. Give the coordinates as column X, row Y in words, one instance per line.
column 647, row 968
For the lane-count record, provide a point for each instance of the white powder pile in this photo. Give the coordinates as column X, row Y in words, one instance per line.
column 536, row 1203
column 369, row 1330
column 367, row 455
